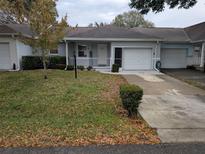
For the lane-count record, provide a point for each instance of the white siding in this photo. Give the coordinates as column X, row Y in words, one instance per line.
column 22, row 50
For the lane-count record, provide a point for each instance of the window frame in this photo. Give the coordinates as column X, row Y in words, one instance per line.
column 54, row 53
column 82, row 50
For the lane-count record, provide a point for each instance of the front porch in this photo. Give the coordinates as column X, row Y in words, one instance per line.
column 95, row 54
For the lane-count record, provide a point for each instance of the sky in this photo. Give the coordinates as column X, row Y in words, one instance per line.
column 83, row 12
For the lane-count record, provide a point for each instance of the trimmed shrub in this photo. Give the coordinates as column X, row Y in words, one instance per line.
column 131, row 96
column 80, row 67
column 31, row 62
column 70, row 67
column 57, row 66
column 35, row 62
column 191, row 67
column 57, row 62
column 115, row 68
column 89, row 68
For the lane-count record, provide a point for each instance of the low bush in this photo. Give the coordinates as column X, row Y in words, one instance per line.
column 80, row 67
column 191, row 67
column 57, row 60
column 70, row 67
column 89, row 68
column 31, row 62
column 35, row 62
column 131, row 96
column 115, row 68
column 57, row 66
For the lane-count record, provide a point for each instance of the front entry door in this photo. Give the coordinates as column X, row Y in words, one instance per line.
column 102, row 54
column 118, row 56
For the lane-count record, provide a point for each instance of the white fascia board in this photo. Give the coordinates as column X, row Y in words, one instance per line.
column 107, row 39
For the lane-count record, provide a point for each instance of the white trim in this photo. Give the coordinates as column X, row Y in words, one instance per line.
column 66, row 51
column 202, row 54
column 53, row 54
column 131, row 46
column 109, row 39
column 17, row 55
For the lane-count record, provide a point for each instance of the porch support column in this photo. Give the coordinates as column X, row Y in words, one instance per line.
column 66, row 51
column 112, row 55
column 202, row 54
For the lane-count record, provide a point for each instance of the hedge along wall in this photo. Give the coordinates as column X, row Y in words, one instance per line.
column 35, row 62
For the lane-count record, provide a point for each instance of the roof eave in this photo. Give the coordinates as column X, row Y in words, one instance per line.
column 198, row 41
column 168, row 41
column 8, row 34
column 109, row 39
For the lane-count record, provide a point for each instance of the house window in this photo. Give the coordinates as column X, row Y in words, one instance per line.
column 54, row 52
column 82, row 51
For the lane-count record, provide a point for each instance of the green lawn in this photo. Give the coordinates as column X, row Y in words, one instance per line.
column 65, row 111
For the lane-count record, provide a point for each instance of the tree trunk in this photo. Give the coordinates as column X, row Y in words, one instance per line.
column 44, row 67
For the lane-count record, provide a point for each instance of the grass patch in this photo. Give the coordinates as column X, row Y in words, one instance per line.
column 65, row 111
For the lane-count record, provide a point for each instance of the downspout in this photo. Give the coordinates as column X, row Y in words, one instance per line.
column 66, row 51
column 17, row 59
column 202, row 54
column 155, row 59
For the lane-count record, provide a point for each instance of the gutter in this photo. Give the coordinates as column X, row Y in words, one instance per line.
column 8, row 34
column 199, row 41
column 107, row 39
column 156, row 58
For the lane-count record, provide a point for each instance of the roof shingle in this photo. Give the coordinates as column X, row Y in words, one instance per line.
column 189, row 34
column 196, row 32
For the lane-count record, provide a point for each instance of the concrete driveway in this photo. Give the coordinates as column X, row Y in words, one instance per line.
column 174, row 108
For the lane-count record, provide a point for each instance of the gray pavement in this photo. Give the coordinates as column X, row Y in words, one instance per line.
column 196, row 148
column 174, row 108
column 188, row 75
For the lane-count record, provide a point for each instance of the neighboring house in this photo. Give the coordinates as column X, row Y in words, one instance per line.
column 131, row 48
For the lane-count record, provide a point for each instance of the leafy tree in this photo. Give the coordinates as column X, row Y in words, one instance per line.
column 144, row 6
column 42, row 19
column 17, row 9
column 96, row 24
column 91, row 25
column 131, row 19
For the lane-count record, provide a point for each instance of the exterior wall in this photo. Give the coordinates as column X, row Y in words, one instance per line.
column 22, row 50
column 62, row 49
column 13, row 50
column 190, row 57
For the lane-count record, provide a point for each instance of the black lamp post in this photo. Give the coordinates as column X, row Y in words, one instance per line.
column 75, row 67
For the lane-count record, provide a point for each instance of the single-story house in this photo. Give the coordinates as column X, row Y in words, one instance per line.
column 100, row 47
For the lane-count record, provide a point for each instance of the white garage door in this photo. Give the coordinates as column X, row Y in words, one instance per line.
column 4, row 56
column 137, row 59
column 173, row 58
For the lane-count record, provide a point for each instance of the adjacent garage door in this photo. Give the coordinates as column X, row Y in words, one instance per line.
column 137, row 59
column 4, row 56
column 173, row 58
